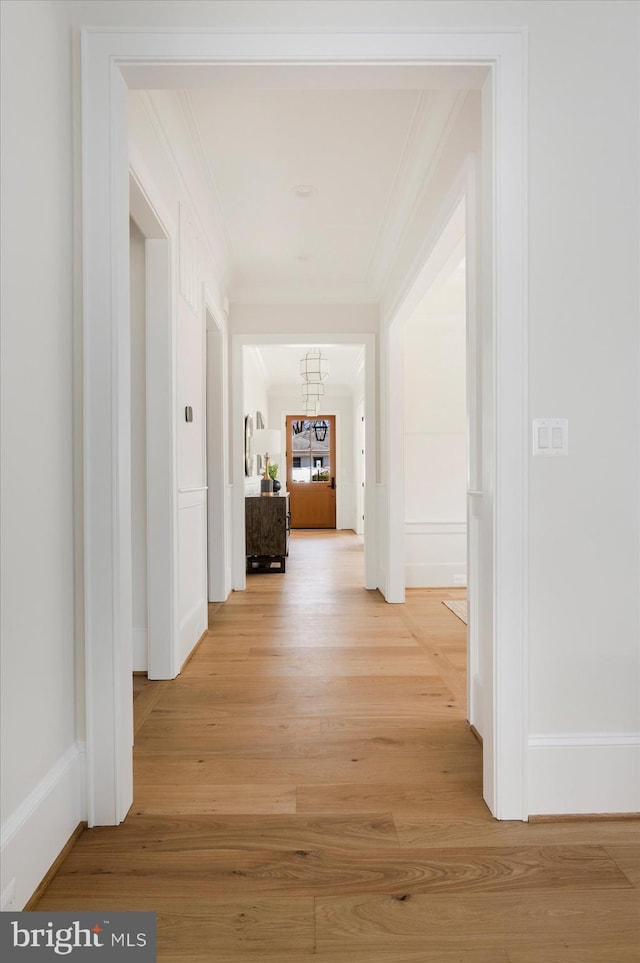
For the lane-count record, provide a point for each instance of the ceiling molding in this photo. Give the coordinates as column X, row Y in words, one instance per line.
column 429, row 122
column 433, row 143
column 287, row 296
column 218, row 253
column 201, row 156
column 397, row 189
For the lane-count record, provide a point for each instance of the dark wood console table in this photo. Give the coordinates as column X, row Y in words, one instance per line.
column 267, row 528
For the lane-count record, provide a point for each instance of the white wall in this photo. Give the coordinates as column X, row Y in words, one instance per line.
column 303, row 318
column 583, row 354
column 41, row 761
column 435, row 449
column 138, row 450
column 256, row 400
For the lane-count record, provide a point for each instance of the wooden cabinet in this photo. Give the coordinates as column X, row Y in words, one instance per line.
column 266, row 522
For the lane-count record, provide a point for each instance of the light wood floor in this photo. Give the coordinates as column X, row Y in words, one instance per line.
column 308, row 789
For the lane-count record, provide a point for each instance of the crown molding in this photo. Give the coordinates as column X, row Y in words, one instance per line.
column 436, row 135
column 193, row 127
column 218, row 253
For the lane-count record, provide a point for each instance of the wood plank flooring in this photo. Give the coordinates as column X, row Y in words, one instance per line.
column 308, row 788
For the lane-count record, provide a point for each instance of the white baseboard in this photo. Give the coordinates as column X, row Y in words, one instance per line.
column 433, row 574
column 584, row 773
column 140, row 643
column 35, row 834
column 192, row 628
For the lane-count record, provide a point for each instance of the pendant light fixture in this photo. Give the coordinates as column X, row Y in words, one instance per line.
column 320, row 430
column 312, row 391
column 314, row 367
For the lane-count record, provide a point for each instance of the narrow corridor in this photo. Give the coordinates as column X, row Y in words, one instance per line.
column 308, row 788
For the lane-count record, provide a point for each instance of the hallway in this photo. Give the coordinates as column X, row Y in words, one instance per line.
column 308, row 788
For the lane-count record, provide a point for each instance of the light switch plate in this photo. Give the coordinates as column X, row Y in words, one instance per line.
column 550, row 436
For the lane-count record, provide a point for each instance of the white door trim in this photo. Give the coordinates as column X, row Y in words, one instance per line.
column 162, row 480
column 217, row 453
column 106, row 58
column 238, row 343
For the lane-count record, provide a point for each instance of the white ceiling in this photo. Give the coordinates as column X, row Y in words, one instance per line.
column 350, row 147
column 281, row 364
column 364, row 138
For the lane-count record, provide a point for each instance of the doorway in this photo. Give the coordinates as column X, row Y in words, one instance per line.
column 155, row 629
column 442, row 435
column 349, row 355
column 311, row 470
column 109, row 58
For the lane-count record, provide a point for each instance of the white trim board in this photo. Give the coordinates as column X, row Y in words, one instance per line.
column 107, row 584
column 30, row 837
column 434, row 574
column 572, row 739
column 596, row 772
column 436, row 528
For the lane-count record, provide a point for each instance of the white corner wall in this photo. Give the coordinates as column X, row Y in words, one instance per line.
column 435, row 450
column 42, row 771
column 584, row 674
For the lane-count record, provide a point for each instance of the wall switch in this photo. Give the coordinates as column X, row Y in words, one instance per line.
column 550, row 436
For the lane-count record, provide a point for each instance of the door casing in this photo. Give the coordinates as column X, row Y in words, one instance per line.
column 107, row 56
column 295, row 490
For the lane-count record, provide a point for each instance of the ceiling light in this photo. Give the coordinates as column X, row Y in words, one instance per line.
column 312, row 390
column 314, row 366
column 310, row 408
column 320, row 430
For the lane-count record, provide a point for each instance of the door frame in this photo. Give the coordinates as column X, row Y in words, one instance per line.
column 106, row 56
column 217, row 455
column 238, row 343
column 163, row 633
column 333, row 461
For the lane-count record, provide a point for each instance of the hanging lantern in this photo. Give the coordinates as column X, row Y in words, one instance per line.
column 312, row 391
column 310, row 408
column 314, row 367
column 320, row 430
